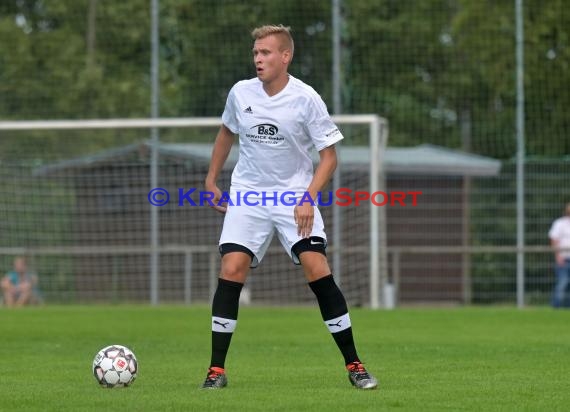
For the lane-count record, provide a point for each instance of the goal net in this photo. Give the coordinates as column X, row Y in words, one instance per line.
column 76, row 199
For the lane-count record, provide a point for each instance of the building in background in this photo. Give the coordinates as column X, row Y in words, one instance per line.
column 111, row 210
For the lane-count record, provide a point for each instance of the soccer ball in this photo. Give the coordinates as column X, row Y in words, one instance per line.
column 115, row 366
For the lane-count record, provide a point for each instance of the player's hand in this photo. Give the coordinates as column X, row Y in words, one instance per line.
column 213, row 188
column 304, row 218
column 560, row 260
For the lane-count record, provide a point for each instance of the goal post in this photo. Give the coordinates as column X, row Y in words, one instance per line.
column 363, row 149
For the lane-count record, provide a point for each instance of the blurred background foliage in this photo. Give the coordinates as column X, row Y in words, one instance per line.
column 441, row 71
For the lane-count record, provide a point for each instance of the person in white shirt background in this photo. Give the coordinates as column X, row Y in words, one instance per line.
column 559, row 235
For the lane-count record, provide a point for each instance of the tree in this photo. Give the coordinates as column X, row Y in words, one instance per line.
column 441, row 71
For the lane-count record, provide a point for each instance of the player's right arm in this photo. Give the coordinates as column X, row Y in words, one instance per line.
column 222, row 147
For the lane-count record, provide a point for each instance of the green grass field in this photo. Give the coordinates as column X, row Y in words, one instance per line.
column 283, row 359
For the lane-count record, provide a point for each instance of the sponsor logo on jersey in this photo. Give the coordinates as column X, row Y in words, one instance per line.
column 248, row 110
column 266, row 129
column 333, row 133
column 264, row 133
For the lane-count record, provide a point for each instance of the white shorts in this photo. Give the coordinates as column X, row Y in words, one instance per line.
column 254, row 226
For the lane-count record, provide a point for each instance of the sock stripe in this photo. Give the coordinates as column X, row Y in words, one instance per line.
column 223, row 325
column 338, row 324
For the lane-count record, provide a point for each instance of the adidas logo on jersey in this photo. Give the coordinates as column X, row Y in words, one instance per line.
column 248, row 110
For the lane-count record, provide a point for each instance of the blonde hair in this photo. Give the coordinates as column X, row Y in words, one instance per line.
column 284, row 32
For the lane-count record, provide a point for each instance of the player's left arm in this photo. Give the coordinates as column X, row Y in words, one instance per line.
column 304, row 213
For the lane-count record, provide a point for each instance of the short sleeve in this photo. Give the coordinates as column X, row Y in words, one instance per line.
column 319, row 125
column 229, row 118
column 555, row 230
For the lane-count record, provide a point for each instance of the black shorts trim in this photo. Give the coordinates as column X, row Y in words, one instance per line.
column 312, row 244
column 234, row 247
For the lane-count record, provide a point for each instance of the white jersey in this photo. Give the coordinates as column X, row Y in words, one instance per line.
column 276, row 135
column 560, row 231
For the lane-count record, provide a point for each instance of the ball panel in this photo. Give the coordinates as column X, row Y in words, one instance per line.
column 100, row 355
column 120, row 364
column 133, row 366
column 111, row 377
column 125, row 377
column 98, row 372
column 106, row 364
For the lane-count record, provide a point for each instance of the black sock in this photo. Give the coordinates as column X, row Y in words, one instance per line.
column 335, row 314
column 224, row 319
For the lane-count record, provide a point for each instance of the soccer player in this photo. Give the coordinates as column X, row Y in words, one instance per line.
column 279, row 119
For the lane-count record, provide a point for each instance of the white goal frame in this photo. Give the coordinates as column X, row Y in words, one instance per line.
column 378, row 137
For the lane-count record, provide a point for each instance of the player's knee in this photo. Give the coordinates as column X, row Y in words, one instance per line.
column 312, row 256
column 315, row 266
column 234, row 272
column 236, row 260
